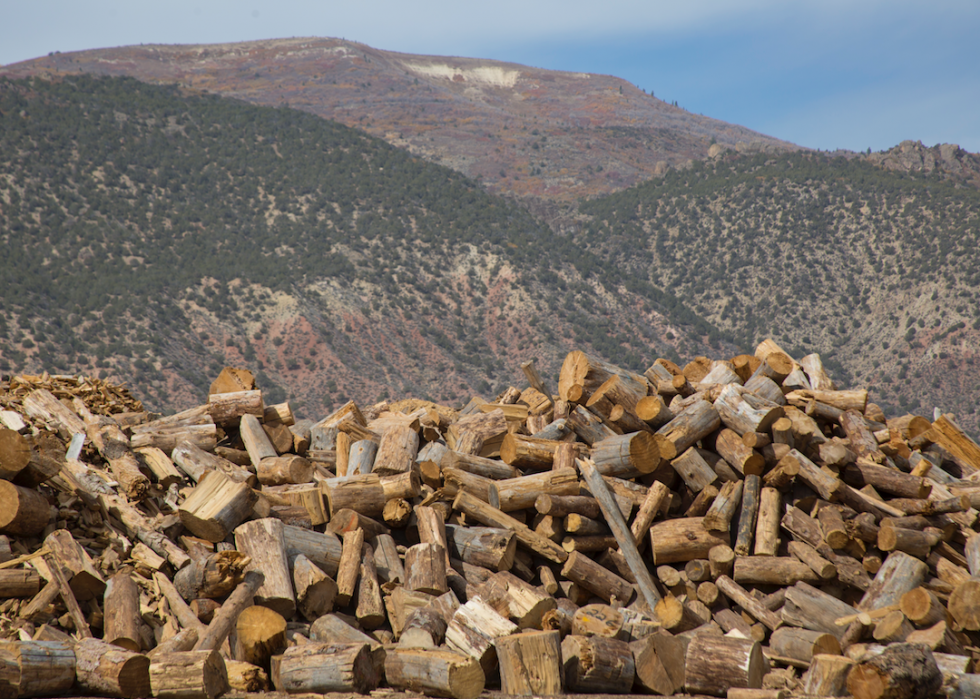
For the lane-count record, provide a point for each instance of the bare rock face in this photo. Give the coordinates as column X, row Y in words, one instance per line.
column 951, row 161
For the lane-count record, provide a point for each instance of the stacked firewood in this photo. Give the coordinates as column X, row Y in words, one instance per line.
column 737, row 527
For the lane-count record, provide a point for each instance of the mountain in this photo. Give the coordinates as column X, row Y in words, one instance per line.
column 538, row 134
column 154, row 236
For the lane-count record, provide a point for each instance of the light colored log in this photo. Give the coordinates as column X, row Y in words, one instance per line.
column 224, row 620
column 349, row 567
column 263, row 541
column 38, row 668
column 596, row 664
column 683, row 539
column 737, row 594
column 198, row 674
column 315, row 590
column 425, row 567
column 719, row 515
column 530, row 663
column 216, row 506
column 439, row 673
column 691, row 426
column 901, row 671
column 256, row 441
column 714, row 664
column 286, row 469
column 473, row 629
column 520, row 493
column 260, row 634
column 767, row 526
column 327, row 667
column 488, row 547
column 899, row 574
column 593, row 577
column 772, row 570
column 23, row 512
column 486, row 514
column 121, row 605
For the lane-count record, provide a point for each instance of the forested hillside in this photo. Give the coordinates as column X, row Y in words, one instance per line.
column 154, row 237
column 877, row 270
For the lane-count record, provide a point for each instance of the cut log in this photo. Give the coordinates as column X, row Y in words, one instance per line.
column 121, row 605
column 327, row 667
column 622, row 455
column 322, row 548
column 598, row 620
column 714, row 664
column 737, row 594
column 363, row 494
column 350, row 566
column 530, row 663
column 215, row 575
column 812, row 608
column 474, row 628
column 691, row 426
column 260, row 634
column 899, row 574
column 282, row 470
column 216, row 506
column 964, row 604
column 694, row 470
column 767, row 523
column 370, row 611
column 83, row 577
column 436, row 673
column 596, row 664
column 600, row 581
column 901, row 671
column 104, row 669
column 659, row 659
column 827, row 676
column 19, row 583
column 262, row 540
column 15, row 453
column 38, row 668
column 488, row 547
column 751, row 492
column 486, row 514
column 198, row 674
column 719, row 515
column 676, row 615
column 224, row 620
column 747, row 461
column 397, row 450
column 521, row 493
column 315, row 590
column 425, row 568
column 683, row 539
column 773, row 570
column 802, row 644
column 744, row 411
column 582, row 374
column 23, row 512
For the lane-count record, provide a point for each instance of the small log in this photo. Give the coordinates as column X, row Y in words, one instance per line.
column 350, row 566
column 892, row 628
column 282, row 470
column 370, row 611
column 245, row 677
column 817, row 563
column 438, row 673
column 263, row 541
column 488, row 547
column 653, row 503
column 719, row 515
column 224, row 620
column 593, row 577
column 260, row 634
column 161, row 466
column 676, row 615
column 743, row 459
column 425, row 567
column 106, row 670
column 767, row 523
column 327, row 667
column 772, row 570
column 901, row 671
column 387, row 561
column 802, row 644
column 694, row 470
column 596, row 664
column 626, row 454
column 486, row 514
column 216, row 506
column 121, row 605
column 714, row 664
column 563, row 505
column 812, row 608
column 743, row 411
column 597, row 620
column 912, row 542
column 322, row 548
column 737, row 594
column 751, row 492
column 521, row 493
column 315, row 590
column 721, row 560
column 199, row 674
column 683, row 539
column 691, row 426
column 530, row 663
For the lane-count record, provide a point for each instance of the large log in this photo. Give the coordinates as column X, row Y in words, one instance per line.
column 327, row 667
column 121, row 605
column 260, row 633
column 744, row 411
column 107, row 670
column 901, row 671
column 596, row 664
column 196, row 674
column 691, row 426
column 660, row 662
column 488, row 547
column 83, row 577
column 582, row 374
column 23, row 512
column 530, row 663
column 683, row 539
column 436, row 673
column 262, row 540
column 216, row 506
column 315, row 590
column 715, row 664
column 38, row 668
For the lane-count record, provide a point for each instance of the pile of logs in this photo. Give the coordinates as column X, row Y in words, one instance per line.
column 739, row 527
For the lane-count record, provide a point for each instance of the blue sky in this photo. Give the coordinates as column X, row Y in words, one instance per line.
column 830, row 74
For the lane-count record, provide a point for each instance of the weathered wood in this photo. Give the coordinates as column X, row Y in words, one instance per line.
column 211, row 576
column 327, row 667
column 473, row 629
column 263, row 541
column 719, row 516
column 521, row 493
column 714, row 664
column 516, row 600
column 737, row 594
column 121, row 605
column 623, row 455
column 260, row 634
column 593, row 577
column 224, row 620
column 23, row 512
column 659, row 660
column 530, row 663
column 767, row 522
column 683, row 539
column 38, row 668
column 827, row 676
column 435, row 672
column 216, row 506
column 282, row 470
column 812, row 608
column 315, row 590
column 691, row 426
column 751, row 492
column 964, row 604
column 899, row 574
column 198, row 674
column 562, row 505
column 349, row 568
column 901, row 671
column 772, row 570
column 488, row 547
column 322, row 548
column 425, row 568
column 596, row 664
column 802, row 644
column 486, row 514
column 624, row 536
column 812, row 558
column 582, row 374
column 694, row 470
column 19, row 583
column 363, row 494
column 744, row 411
column 83, row 577
column 653, row 503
